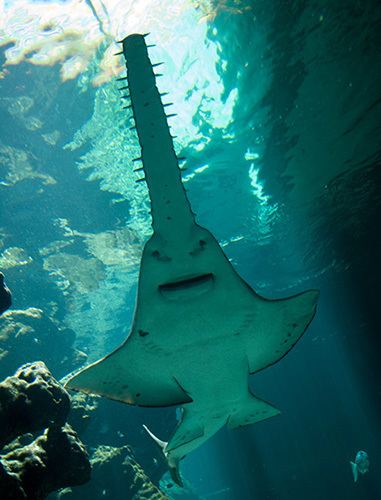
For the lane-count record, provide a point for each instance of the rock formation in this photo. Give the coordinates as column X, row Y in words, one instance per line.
column 31, row 401
column 116, row 474
column 52, row 461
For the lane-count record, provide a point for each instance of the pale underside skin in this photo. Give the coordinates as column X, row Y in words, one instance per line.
column 199, row 330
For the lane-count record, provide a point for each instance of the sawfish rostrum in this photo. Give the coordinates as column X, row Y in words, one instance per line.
column 199, row 329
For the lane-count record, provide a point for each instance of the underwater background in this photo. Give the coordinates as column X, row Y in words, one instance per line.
column 279, row 118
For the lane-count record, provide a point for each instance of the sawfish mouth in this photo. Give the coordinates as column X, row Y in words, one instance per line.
column 191, row 286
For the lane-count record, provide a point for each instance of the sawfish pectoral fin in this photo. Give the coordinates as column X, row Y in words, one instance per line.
column 283, row 323
column 251, row 411
column 119, row 376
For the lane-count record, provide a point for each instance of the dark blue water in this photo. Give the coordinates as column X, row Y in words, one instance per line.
column 279, row 118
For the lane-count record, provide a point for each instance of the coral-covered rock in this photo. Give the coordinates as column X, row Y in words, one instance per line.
column 116, row 474
column 31, row 400
column 10, row 485
column 141, row 487
column 82, row 409
column 53, row 461
column 5, row 295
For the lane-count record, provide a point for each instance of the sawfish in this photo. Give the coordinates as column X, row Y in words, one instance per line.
column 198, row 329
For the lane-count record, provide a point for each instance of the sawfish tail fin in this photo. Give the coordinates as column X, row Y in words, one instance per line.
column 173, row 467
column 355, row 471
column 251, row 411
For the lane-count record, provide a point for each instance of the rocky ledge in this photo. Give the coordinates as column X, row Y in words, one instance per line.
column 32, row 401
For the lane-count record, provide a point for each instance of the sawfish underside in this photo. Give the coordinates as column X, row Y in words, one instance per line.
column 199, row 329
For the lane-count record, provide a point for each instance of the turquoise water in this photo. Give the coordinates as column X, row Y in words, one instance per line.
column 279, row 120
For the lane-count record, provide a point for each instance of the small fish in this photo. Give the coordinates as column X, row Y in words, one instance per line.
column 360, row 465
